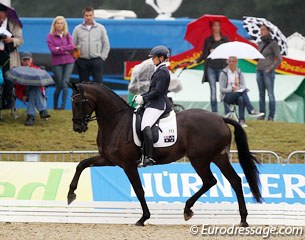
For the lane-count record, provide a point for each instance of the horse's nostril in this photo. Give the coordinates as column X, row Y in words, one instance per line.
column 76, row 129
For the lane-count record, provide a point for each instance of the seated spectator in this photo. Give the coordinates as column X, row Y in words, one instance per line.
column 34, row 95
column 233, row 90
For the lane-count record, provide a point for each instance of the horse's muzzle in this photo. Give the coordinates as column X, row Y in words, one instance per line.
column 80, row 128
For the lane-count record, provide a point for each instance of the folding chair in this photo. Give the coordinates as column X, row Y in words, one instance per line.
column 233, row 112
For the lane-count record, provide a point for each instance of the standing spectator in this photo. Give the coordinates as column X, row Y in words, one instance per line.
column 265, row 74
column 233, row 90
column 212, row 68
column 61, row 46
column 92, row 40
column 34, row 95
column 11, row 39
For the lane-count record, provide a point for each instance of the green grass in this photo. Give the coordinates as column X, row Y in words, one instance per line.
column 57, row 134
column 54, row 134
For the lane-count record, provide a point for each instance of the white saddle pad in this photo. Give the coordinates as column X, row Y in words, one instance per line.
column 167, row 131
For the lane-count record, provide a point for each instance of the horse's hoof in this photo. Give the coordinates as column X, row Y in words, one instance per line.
column 243, row 224
column 188, row 214
column 71, row 197
column 140, row 224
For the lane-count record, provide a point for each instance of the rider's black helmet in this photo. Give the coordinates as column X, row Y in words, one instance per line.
column 159, row 51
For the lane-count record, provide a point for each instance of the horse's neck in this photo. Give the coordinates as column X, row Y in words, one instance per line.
column 108, row 105
column 118, row 125
column 111, row 110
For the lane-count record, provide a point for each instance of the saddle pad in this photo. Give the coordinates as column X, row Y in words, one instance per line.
column 167, row 125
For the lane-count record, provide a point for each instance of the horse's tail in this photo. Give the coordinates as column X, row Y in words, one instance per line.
column 246, row 159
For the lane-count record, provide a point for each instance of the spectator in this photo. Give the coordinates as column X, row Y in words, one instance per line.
column 35, row 96
column 212, row 68
column 61, row 46
column 11, row 39
column 265, row 73
column 92, row 40
column 233, row 90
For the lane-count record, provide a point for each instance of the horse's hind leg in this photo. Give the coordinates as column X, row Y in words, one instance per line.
column 223, row 163
column 208, row 181
column 93, row 161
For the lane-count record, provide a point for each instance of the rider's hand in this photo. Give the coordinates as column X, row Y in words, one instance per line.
column 138, row 99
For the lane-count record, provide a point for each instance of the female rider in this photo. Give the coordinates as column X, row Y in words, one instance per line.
column 155, row 101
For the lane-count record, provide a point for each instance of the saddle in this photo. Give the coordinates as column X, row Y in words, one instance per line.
column 162, row 135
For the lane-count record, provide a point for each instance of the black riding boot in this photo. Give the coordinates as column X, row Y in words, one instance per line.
column 148, row 147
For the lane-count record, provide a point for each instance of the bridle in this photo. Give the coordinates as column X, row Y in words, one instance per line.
column 85, row 104
column 83, row 121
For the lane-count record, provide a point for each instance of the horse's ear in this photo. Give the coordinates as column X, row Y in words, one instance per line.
column 73, row 86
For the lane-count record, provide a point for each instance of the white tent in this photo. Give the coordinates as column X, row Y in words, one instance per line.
column 296, row 46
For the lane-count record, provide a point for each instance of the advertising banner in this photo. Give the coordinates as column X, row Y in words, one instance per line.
column 41, row 181
column 166, row 183
column 177, row 182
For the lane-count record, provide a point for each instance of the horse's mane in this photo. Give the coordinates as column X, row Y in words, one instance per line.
column 101, row 85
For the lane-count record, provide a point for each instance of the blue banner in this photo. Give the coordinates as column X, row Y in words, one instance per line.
column 178, row 181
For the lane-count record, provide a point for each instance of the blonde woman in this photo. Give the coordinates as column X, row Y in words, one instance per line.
column 61, row 46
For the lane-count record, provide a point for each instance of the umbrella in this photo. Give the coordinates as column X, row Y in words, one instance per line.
column 252, row 26
column 235, row 49
column 198, row 30
column 12, row 14
column 29, row 76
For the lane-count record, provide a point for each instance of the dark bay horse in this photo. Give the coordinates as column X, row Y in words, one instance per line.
column 203, row 137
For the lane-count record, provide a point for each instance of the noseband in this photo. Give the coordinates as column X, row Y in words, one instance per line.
column 83, row 121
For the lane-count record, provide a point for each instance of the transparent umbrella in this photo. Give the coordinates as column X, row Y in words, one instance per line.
column 29, row 76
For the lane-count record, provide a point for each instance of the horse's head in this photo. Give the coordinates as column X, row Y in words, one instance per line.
column 82, row 109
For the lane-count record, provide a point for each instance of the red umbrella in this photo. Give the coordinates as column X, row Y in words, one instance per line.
column 198, row 30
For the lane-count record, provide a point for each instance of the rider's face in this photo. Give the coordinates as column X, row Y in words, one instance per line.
column 157, row 60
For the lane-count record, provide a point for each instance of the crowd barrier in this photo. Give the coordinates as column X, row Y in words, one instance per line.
column 265, row 156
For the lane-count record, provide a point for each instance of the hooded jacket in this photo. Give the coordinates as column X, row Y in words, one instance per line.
column 272, row 53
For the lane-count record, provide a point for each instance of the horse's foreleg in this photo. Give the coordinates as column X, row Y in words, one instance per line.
column 208, row 181
column 228, row 171
column 93, row 161
column 134, row 178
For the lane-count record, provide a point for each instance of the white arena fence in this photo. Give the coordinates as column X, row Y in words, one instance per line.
column 296, row 156
column 161, row 213
column 265, row 156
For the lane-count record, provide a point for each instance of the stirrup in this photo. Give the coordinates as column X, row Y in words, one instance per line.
column 146, row 161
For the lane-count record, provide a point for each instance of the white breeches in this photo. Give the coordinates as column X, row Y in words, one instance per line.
column 150, row 116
